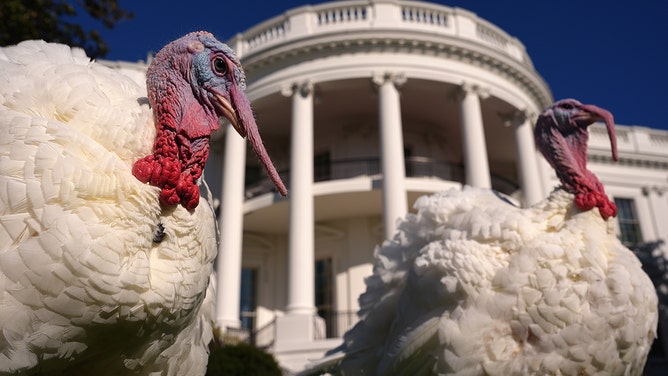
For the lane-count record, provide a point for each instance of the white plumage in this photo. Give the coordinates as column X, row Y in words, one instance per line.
column 77, row 259
column 471, row 285
column 474, row 286
column 96, row 277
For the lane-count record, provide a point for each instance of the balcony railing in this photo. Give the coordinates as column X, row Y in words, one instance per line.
column 361, row 15
column 638, row 140
column 337, row 324
column 416, row 167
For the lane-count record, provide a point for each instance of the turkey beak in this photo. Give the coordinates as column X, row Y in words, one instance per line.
column 224, row 106
column 238, row 111
column 590, row 113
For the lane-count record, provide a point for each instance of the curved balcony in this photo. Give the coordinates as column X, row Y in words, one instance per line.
column 359, row 16
column 416, row 167
column 360, row 28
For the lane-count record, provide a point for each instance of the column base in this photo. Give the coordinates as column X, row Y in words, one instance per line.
column 229, row 329
column 223, row 324
column 295, row 329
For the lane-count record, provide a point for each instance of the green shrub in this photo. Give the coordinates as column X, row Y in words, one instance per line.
column 241, row 359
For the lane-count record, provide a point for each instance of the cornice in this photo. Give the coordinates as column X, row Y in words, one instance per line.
column 628, row 161
column 392, row 41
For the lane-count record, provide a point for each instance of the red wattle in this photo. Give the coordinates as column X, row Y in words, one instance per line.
column 591, row 199
column 143, row 169
column 169, row 197
column 607, row 209
column 585, row 201
column 177, row 179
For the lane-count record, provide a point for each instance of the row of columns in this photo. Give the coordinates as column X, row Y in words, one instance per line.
column 301, row 294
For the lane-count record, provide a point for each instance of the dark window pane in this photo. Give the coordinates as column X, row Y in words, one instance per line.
column 629, row 225
column 323, row 293
column 247, row 299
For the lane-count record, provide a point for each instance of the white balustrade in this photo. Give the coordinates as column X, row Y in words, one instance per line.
column 359, row 15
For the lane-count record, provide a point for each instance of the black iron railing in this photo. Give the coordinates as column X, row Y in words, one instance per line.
column 357, row 167
column 336, row 324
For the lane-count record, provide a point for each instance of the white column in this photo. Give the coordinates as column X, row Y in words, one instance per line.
column 395, row 204
column 476, row 165
column 527, row 159
column 657, row 197
column 231, row 232
column 301, row 279
column 298, row 326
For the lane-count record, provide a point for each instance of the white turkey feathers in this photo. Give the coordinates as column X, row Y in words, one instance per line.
column 84, row 289
column 474, row 286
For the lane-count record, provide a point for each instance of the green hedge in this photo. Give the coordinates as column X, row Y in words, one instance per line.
column 241, row 359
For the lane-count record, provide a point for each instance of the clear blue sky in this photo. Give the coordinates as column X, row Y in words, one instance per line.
column 610, row 53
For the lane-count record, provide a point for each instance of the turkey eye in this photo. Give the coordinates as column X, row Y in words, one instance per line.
column 567, row 106
column 219, row 66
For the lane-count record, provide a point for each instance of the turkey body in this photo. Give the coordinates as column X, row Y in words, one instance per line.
column 472, row 285
column 96, row 277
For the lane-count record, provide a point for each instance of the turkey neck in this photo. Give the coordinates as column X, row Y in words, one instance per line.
column 572, row 168
column 181, row 145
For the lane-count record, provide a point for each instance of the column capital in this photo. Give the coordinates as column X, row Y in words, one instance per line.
column 397, row 79
column 303, row 88
column 517, row 117
column 659, row 190
column 466, row 88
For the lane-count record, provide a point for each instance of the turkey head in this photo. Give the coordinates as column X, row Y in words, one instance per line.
column 561, row 136
column 193, row 82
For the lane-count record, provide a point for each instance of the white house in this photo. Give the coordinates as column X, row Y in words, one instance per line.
column 365, row 105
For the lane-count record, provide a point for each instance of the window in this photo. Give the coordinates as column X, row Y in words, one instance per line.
column 629, row 226
column 248, row 298
column 252, row 175
column 324, row 294
column 322, row 168
column 408, row 162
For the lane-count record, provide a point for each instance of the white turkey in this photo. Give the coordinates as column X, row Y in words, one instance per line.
column 106, row 248
column 472, row 285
